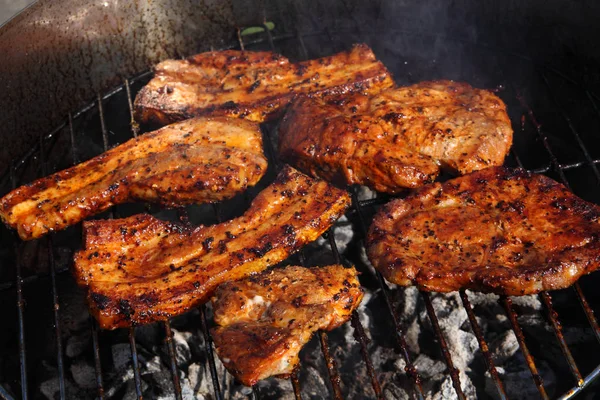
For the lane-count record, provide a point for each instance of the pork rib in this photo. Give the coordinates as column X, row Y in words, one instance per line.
column 252, row 85
column 140, row 269
column 195, row 161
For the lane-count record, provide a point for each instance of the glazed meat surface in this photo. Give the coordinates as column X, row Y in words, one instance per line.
column 497, row 230
column 266, row 319
column 140, row 269
column 252, row 85
column 398, row 138
column 195, row 161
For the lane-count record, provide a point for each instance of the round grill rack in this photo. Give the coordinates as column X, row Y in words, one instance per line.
column 557, row 142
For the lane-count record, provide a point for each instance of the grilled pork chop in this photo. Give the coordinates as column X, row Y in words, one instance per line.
column 139, row 269
column 267, row 318
column 252, row 85
column 398, row 138
column 195, row 161
column 497, row 230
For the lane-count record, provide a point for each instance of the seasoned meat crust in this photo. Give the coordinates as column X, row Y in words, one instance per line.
column 497, row 230
column 195, row 161
column 266, row 319
column 140, row 269
column 398, row 138
column 252, row 85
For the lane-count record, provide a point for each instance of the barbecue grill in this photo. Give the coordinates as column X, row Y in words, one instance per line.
column 539, row 59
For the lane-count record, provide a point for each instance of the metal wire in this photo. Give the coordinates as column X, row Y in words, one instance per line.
column 97, row 363
column 208, row 347
column 512, row 316
column 4, row 394
column 454, row 373
column 553, row 317
column 399, row 334
column 334, row 376
column 135, row 363
column 482, row 344
column 131, row 333
column 20, row 309
column 359, row 331
column 56, row 305
column 173, row 360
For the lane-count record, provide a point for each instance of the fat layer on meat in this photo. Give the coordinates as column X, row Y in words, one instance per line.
column 497, row 230
column 140, row 269
column 196, row 161
column 265, row 320
column 252, row 85
column 398, row 138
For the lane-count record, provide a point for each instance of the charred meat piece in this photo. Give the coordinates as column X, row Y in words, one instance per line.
column 266, row 319
column 497, row 230
column 195, row 161
column 398, row 138
column 139, row 269
column 252, row 85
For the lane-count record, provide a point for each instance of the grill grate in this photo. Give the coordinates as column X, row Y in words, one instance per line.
column 360, row 211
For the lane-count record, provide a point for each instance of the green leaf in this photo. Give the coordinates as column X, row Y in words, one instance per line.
column 251, row 30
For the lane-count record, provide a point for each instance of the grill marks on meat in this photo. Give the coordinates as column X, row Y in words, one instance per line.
column 195, row 161
column 497, row 230
column 398, row 138
column 252, row 85
column 139, row 269
column 266, row 319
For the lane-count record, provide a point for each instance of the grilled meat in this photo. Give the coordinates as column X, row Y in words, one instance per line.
column 140, row 269
column 266, row 319
column 398, row 138
column 497, row 230
column 252, row 85
column 195, row 161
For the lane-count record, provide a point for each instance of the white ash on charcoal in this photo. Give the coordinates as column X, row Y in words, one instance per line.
column 422, row 345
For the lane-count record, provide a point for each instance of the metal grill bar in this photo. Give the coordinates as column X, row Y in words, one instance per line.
column 399, row 334
column 296, row 384
column 57, row 330
column 454, row 373
column 334, row 376
column 56, row 305
column 553, row 317
column 4, row 394
column 208, row 347
column 173, row 360
column 20, row 308
column 359, row 331
column 135, row 363
column 574, row 131
column 482, row 344
column 255, row 392
column 134, row 356
column 97, row 363
column 543, row 138
column 589, row 313
column 134, row 125
column 506, row 302
column 93, row 324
